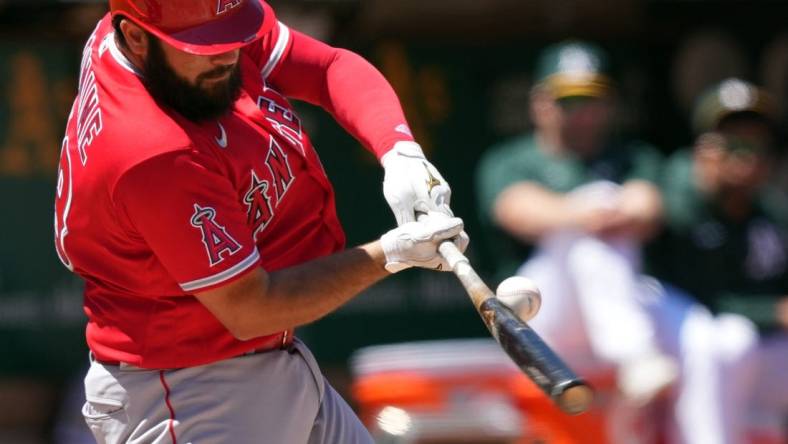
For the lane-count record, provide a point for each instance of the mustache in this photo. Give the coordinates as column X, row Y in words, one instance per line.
column 219, row 71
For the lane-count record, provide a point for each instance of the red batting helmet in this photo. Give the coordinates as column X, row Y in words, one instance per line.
column 204, row 27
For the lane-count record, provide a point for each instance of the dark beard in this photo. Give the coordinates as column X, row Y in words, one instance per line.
column 194, row 102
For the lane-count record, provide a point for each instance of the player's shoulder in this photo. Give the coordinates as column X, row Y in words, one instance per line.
column 163, row 168
column 505, row 163
column 268, row 52
column 149, row 133
column 136, row 128
column 134, row 134
column 116, row 121
column 678, row 166
column 513, row 150
column 680, row 156
column 638, row 148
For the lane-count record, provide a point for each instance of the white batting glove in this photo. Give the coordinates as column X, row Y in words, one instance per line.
column 415, row 244
column 412, row 184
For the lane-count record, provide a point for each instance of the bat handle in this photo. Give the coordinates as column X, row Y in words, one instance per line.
column 452, row 254
column 459, row 264
column 457, row 261
column 461, row 267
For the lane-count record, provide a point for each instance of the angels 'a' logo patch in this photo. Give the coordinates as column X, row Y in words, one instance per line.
column 278, row 165
column 258, row 203
column 264, row 195
column 226, row 5
column 218, row 242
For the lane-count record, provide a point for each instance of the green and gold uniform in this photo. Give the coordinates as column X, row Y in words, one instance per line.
column 522, row 159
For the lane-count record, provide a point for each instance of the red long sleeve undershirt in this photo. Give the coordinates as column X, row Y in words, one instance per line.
column 347, row 86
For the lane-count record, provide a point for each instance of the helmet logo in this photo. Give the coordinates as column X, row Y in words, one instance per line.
column 226, row 5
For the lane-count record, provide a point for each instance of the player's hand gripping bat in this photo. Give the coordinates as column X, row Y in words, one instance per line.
column 535, row 358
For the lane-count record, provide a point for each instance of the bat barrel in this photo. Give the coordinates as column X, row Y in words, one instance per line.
column 536, row 359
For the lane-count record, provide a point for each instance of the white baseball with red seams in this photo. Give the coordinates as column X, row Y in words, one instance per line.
column 521, row 295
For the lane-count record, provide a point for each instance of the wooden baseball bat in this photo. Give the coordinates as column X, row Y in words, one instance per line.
column 535, row 358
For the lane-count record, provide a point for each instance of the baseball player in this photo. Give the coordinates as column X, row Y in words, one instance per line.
column 193, row 204
column 581, row 200
column 726, row 244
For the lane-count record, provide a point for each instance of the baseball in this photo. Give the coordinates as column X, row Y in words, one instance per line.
column 521, row 295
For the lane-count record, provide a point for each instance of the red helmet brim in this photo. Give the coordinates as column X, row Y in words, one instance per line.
column 251, row 22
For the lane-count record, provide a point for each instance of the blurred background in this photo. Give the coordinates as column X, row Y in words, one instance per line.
column 464, row 73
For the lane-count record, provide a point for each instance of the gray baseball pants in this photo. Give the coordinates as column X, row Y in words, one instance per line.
column 276, row 397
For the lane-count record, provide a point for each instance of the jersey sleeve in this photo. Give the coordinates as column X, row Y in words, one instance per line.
column 187, row 212
column 342, row 82
column 270, row 51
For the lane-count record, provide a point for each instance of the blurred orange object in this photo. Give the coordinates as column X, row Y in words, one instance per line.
column 432, row 379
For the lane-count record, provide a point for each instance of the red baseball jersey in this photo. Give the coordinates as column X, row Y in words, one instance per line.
column 151, row 207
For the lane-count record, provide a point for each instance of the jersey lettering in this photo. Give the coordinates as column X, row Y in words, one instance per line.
column 282, row 175
column 283, row 119
column 89, row 122
column 288, row 134
column 284, row 116
column 259, row 210
column 214, row 236
column 105, row 42
column 63, row 204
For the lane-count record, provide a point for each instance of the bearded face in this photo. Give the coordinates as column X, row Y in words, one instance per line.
column 210, row 95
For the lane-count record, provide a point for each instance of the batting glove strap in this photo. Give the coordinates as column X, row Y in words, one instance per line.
column 415, row 244
column 412, row 184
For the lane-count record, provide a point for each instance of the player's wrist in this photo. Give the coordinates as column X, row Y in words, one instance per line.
column 376, row 253
column 402, row 149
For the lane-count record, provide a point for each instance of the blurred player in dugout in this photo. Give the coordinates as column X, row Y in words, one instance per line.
column 726, row 243
column 580, row 200
column 585, row 200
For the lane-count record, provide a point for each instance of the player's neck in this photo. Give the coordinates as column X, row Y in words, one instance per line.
column 550, row 142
